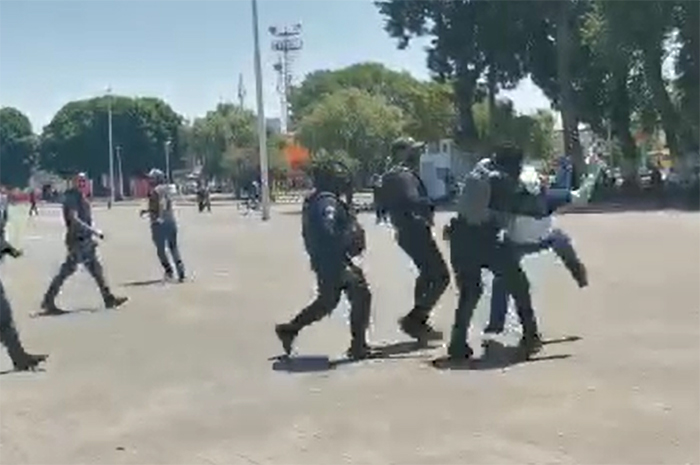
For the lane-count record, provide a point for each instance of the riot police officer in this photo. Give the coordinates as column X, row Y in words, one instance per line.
column 81, row 248
column 21, row 360
column 490, row 195
column 332, row 237
column 411, row 211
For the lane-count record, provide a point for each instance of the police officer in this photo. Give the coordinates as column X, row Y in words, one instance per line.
column 21, row 360
column 491, row 193
column 81, row 247
column 163, row 224
column 411, row 211
column 332, row 236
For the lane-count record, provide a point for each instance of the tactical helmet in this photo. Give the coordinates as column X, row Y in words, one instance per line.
column 509, row 159
column 331, row 176
column 156, row 175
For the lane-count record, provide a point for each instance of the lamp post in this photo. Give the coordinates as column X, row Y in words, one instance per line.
column 262, row 130
column 167, row 145
column 111, row 151
column 119, row 171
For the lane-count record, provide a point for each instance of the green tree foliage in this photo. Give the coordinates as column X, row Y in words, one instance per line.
column 76, row 139
column 225, row 142
column 687, row 20
column 354, row 121
column 427, row 106
column 17, row 147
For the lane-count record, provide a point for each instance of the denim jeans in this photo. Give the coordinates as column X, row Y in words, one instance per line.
column 558, row 241
column 164, row 237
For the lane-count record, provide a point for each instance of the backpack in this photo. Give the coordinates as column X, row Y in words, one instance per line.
column 473, row 201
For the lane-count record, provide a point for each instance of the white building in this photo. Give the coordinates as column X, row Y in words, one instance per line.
column 441, row 165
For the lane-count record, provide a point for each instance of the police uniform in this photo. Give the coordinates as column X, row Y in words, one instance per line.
column 476, row 244
column 411, row 211
column 331, row 237
column 8, row 333
column 81, row 249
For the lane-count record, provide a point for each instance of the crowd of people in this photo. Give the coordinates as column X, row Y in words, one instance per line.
column 504, row 212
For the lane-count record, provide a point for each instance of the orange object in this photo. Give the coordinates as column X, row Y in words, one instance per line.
column 295, row 154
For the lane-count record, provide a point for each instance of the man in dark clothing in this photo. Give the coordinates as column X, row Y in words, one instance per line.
column 21, row 360
column 475, row 244
column 33, row 210
column 163, row 224
column 332, row 236
column 81, row 248
column 411, row 211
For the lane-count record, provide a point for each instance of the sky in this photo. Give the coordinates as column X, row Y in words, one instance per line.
column 188, row 52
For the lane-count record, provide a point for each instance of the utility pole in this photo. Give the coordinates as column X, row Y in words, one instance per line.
column 120, row 173
column 286, row 41
column 241, row 91
column 111, row 151
column 167, row 159
column 262, row 129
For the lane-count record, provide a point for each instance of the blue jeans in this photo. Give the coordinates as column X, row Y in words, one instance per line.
column 559, row 242
column 164, row 237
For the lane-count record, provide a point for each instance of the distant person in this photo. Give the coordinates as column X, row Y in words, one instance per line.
column 33, row 210
column 81, row 248
column 203, row 197
column 163, row 224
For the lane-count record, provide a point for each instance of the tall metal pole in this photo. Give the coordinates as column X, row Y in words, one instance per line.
column 111, row 150
column 262, row 130
column 167, row 160
column 120, row 173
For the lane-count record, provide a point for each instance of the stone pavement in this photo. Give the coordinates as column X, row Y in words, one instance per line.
column 181, row 373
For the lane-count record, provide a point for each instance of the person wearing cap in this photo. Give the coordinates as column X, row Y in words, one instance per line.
column 411, row 211
column 332, row 237
column 81, row 246
column 163, row 224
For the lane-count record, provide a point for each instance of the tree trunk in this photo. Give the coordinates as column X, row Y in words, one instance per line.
column 572, row 144
column 492, row 90
column 464, row 87
column 662, row 101
column 620, row 121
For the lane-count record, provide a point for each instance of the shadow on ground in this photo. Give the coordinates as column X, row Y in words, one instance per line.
column 498, row 356
column 318, row 363
column 44, row 314
column 143, row 283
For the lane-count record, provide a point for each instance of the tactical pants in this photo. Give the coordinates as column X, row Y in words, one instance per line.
column 469, row 254
column 331, row 283
column 433, row 275
column 83, row 251
column 561, row 245
column 8, row 333
column 164, row 237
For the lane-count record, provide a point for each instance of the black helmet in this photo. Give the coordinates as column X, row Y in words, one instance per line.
column 331, row 176
column 509, row 158
column 403, row 143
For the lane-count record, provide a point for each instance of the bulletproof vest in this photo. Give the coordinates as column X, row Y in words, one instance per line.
column 473, row 202
column 346, row 221
column 393, row 189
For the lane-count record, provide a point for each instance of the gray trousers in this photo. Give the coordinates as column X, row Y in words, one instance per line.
column 8, row 333
column 164, row 237
column 83, row 252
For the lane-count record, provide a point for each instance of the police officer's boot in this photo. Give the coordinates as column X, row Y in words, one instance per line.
column 287, row 333
column 50, row 308
column 21, row 360
column 112, row 301
column 531, row 341
column 459, row 350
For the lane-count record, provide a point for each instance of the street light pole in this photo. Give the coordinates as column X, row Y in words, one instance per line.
column 111, row 151
column 167, row 160
column 262, row 130
column 119, row 171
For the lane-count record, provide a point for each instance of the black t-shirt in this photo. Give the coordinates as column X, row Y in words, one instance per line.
column 75, row 201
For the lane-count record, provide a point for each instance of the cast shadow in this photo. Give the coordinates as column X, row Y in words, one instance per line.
column 44, row 314
column 144, row 283
column 320, row 363
column 498, row 356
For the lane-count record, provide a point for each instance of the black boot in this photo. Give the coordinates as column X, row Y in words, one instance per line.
column 360, row 350
column 28, row 362
column 419, row 329
column 530, row 344
column 112, row 301
column 50, row 308
column 286, row 334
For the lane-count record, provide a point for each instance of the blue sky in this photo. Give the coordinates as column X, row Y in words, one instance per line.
column 190, row 53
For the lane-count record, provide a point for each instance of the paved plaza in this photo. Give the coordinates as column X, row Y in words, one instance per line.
column 182, row 374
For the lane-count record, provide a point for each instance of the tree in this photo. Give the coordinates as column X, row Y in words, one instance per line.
column 17, row 147
column 356, row 122
column 76, row 139
column 427, row 106
column 687, row 20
